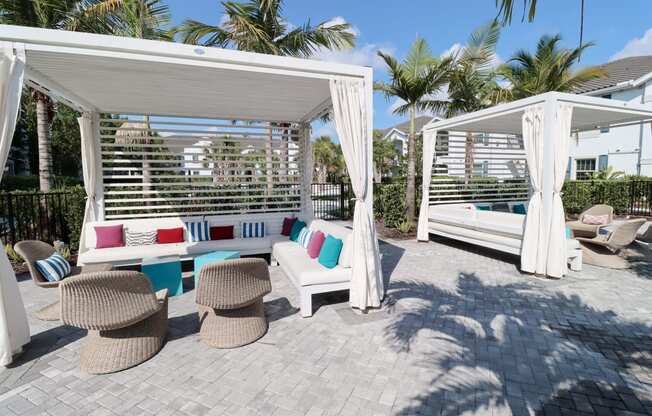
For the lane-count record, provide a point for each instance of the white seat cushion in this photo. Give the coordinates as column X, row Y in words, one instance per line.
column 306, row 271
column 135, row 254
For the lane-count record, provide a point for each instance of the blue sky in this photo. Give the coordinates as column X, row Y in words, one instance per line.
column 618, row 28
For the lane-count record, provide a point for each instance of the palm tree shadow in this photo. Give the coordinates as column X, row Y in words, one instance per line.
column 512, row 348
column 46, row 342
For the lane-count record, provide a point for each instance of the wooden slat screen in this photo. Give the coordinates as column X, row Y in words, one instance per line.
column 156, row 166
column 478, row 168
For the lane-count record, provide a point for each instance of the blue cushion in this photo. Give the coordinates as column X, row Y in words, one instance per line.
column 253, row 229
column 54, row 268
column 198, row 231
column 304, row 237
column 296, row 229
column 569, row 233
column 483, row 207
column 330, row 252
column 519, row 209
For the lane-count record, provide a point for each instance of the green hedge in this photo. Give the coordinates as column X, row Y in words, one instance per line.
column 580, row 195
column 31, row 183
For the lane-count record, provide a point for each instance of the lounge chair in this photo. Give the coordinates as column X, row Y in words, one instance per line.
column 579, row 229
column 33, row 250
column 125, row 319
column 230, row 302
column 603, row 250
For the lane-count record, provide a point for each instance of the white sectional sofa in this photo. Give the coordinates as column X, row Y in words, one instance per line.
column 502, row 231
column 308, row 276
column 130, row 255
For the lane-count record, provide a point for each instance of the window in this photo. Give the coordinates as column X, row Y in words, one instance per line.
column 605, row 129
column 584, row 168
column 441, row 144
column 481, row 169
column 482, row 138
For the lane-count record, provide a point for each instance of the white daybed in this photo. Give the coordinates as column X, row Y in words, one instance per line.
column 502, row 231
column 306, row 274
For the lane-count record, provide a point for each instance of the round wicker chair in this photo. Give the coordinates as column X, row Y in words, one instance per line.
column 125, row 319
column 230, row 302
column 33, row 250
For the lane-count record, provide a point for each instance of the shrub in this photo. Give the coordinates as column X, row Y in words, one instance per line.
column 580, row 195
column 74, row 216
column 11, row 253
column 390, row 204
column 31, row 183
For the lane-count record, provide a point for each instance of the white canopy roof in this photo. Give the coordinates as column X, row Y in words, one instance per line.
column 133, row 76
column 589, row 113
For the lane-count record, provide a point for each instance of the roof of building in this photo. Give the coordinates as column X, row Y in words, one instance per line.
column 404, row 127
column 620, row 71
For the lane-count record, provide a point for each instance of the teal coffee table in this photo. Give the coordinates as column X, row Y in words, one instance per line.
column 164, row 273
column 213, row 257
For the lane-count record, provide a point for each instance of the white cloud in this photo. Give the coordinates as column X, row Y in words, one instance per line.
column 339, row 20
column 636, row 47
column 327, row 129
column 453, row 50
column 365, row 55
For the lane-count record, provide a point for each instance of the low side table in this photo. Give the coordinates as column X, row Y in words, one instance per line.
column 164, row 273
column 212, row 257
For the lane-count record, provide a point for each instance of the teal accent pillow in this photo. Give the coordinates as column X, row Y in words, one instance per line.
column 330, row 252
column 296, row 229
column 519, row 209
column 483, row 207
column 569, row 233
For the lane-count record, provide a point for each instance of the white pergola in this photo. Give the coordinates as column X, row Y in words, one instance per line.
column 97, row 74
column 546, row 123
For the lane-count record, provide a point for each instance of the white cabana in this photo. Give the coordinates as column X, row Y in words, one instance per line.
column 546, row 123
column 98, row 74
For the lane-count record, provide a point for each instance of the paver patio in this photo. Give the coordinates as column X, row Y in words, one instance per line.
column 465, row 333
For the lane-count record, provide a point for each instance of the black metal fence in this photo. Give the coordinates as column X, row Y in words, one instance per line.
column 34, row 216
column 332, row 201
column 42, row 216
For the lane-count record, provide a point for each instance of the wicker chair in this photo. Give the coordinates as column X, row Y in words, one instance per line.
column 33, row 250
column 579, row 229
column 230, row 302
column 622, row 236
column 125, row 319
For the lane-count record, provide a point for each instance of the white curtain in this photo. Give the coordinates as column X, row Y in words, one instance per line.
column 429, row 141
column 91, row 167
column 556, row 263
column 534, row 248
column 352, row 115
column 14, row 329
column 306, row 205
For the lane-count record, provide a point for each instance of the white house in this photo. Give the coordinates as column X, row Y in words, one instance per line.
column 627, row 149
column 399, row 133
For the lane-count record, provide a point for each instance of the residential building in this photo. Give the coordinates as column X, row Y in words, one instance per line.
column 629, row 148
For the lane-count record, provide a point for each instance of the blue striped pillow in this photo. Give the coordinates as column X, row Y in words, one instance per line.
column 198, row 231
column 304, row 237
column 253, row 229
column 54, row 268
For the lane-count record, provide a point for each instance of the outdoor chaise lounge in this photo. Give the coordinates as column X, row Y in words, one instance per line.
column 306, row 274
column 230, row 302
column 34, row 250
column 580, row 227
column 622, row 235
column 125, row 319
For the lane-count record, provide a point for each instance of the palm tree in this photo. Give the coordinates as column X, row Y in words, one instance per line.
column 506, row 9
column 327, row 158
column 473, row 82
column 414, row 82
column 97, row 16
column 549, row 69
column 386, row 156
column 258, row 26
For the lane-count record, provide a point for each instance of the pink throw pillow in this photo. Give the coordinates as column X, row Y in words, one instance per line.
column 314, row 246
column 595, row 219
column 109, row 236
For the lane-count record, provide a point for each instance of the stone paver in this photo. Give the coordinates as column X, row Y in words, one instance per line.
column 462, row 332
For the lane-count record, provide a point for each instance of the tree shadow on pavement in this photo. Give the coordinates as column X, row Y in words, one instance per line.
column 512, row 349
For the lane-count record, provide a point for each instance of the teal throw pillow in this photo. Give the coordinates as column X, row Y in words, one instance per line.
column 296, row 229
column 330, row 252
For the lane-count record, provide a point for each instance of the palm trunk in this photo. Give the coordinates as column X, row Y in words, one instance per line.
column 146, row 165
column 269, row 167
column 469, row 158
column 44, row 142
column 411, row 171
